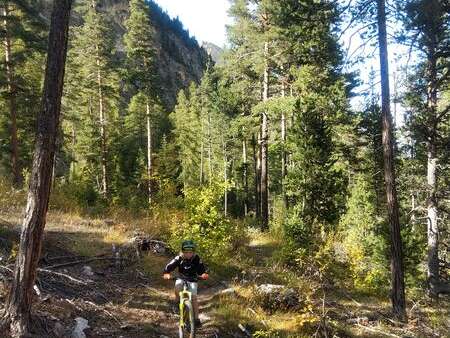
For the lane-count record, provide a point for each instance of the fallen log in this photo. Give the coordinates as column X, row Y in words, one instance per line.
column 62, row 265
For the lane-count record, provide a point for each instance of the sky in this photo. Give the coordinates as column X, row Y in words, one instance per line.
column 205, row 19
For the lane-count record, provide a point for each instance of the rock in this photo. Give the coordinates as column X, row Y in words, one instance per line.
column 109, row 222
column 270, row 288
column 273, row 296
column 126, row 327
column 163, row 336
column 59, row 330
column 87, row 270
column 358, row 320
column 80, row 326
column 204, row 317
column 229, row 291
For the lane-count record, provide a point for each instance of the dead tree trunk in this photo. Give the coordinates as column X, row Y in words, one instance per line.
column 435, row 284
column 104, row 151
column 18, row 305
column 11, row 96
column 264, row 147
column 209, row 149
column 149, row 153
column 102, row 116
column 225, row 177
column 202, row 150
column 397, row 276
column 283, row 148
column 245, row 175
column 256, row 169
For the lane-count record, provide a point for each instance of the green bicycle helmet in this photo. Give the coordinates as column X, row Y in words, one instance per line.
column 188, row 245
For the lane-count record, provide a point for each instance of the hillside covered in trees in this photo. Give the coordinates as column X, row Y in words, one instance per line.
column 316, row 217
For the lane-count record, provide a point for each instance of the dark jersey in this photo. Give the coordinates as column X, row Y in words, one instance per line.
column 189, row 268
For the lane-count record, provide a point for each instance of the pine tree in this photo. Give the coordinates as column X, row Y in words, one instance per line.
column 21, row 32
column 18, row 306
column 90, row 100
column 397, row 274
column 428, row 26
column 315, row 186
column 140, row 52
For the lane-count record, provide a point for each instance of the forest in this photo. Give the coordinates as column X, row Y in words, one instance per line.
column 293, row 162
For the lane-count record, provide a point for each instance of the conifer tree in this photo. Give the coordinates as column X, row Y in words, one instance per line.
column 140, row 52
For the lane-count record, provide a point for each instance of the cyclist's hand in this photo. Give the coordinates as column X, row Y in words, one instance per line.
column 204, row 276
column 166, row 276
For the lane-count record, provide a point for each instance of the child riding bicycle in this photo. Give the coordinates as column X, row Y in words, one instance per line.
column 191, row 268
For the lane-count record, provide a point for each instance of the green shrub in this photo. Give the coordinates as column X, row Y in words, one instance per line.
column 205, row 223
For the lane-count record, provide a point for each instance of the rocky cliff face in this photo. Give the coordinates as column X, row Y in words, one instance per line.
column 179, row 58
column 214, row 51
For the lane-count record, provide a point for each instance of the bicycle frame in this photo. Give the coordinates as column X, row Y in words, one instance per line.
column 185, row 294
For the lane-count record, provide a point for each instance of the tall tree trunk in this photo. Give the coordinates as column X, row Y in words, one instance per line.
column 256, row 169
column 283, row 147
column 432, row 159
column 433, row 119
column 11, row 97
column 209, row 149
column 202, row 149
column 397, row 276
column 149, row 153
column 72, row 161
column 245, row 175
column 18, row 305
column 264, row 146
column 225, row 177
column 104, row 151
column 433, row 231
column 103, row 140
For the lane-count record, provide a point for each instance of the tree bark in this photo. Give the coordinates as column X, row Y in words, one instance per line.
column 264, row 146
column 149, row 154
column 202, row 149
column 225, row 177
column 11, row 97
column 209, row 149
column 432, row 160
column 245, row 175
column 103, row 140
column 397, row 275
column 18, row 305
column 283, row 148
column 256, row 169
column 104, row 151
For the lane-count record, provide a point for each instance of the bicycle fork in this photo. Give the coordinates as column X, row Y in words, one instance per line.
column 184, row 295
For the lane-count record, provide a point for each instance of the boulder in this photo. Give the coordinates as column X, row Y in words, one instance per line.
column 87, row 271
column 273, row 297
column 80, row 326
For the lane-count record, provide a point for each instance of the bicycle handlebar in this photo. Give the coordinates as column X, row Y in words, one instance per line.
column 184, row 278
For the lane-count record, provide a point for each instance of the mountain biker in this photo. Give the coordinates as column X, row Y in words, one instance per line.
column 190, row 267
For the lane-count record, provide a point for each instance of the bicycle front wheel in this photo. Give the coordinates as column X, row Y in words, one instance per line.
column 189, row 323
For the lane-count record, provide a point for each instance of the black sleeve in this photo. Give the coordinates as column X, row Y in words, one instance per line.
column 201, row 267
column 172, row 265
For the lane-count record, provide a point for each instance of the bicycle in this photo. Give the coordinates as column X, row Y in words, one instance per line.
column 186, row 325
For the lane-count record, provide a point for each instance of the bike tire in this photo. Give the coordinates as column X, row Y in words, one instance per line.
column 182, row 323
column 190, row 327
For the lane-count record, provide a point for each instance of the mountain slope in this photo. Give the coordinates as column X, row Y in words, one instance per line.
column 179, row 58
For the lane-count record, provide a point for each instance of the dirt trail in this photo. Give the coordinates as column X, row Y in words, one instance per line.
column 130, row 300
